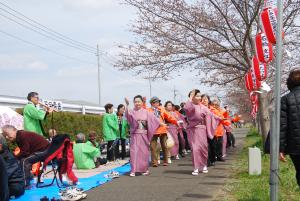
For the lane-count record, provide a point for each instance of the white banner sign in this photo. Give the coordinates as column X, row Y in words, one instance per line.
column 57, row 105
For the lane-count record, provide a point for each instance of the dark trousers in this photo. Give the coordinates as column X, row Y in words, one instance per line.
column 26, row 164
column 4, row 192
column 218, row 141
column 110, row 151
column 230, row 139
column 211, row 151
column 187, row 145
column 7, row 188
column 296, row 161
column 123, row 149
column 180, row 145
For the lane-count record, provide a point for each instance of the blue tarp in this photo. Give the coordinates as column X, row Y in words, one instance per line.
column 35, row 194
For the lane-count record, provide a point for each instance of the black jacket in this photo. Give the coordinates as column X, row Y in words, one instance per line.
column 290, row 122
column 13, row 167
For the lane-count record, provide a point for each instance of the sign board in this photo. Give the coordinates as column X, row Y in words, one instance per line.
column 57, row 105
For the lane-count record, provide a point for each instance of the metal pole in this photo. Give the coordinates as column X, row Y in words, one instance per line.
column 276, row 125
column 99, row 75
column 150, row 86
column 174, row 95
column 273, row 161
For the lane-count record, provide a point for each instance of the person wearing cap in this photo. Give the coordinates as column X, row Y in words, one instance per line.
column 161, row 132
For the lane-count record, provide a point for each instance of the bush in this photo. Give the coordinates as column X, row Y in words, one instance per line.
column 72, row 123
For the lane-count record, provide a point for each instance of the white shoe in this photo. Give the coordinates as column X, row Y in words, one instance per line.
column 169, row 161
column 184, row 152
column 112, row 175
column 205, row 170
column 132, row 174
column 177, row 157
column 158, row 162
column 78, row 192
column 195, row 172
column 70, row 196
column 146, row 173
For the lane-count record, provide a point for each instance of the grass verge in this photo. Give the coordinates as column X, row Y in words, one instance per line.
column 244, row 187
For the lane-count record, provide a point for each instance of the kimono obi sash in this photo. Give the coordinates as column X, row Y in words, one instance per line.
column 201, row 124
column 140, row 131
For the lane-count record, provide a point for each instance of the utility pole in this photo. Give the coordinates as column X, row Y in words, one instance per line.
column 150, row 86
column 99, row 75
column 174, row 93
column 274, row 138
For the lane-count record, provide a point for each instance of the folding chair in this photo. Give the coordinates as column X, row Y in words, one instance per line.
column 55, row 170
column 58, row 152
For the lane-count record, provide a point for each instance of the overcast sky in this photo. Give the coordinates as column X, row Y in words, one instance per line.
column 27, row 68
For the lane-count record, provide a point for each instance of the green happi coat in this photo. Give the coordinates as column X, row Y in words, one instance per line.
column 91, row 144
column 32, row 118
column 123, row 133
column 110, row 127
column 84, row 155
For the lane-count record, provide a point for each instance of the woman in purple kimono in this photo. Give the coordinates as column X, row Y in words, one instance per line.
column 143, row 125
column 202, row 124
column 173, row 129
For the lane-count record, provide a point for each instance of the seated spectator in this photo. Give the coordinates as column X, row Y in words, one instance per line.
column 33, row 148
column 86, row 156
column 51, row 133
column 92, row 140
column 11, row 177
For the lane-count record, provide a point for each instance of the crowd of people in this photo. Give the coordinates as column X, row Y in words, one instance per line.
column 200, row 126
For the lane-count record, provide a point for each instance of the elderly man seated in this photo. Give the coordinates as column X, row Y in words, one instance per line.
column 86, row 156
column 11, row 177
column 33, row 148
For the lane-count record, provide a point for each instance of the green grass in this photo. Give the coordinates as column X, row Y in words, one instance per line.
column 244, row 187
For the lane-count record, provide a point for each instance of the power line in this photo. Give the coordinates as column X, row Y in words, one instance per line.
column 43, row 30
column 47, row 29
column 46, row 49
column 45, row 35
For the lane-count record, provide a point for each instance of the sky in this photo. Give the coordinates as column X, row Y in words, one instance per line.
column 25, row 67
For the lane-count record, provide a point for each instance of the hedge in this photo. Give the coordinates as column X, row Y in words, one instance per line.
column 73, row 123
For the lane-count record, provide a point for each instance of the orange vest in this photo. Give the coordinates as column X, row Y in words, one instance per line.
column 164, row 117
column 219, row 132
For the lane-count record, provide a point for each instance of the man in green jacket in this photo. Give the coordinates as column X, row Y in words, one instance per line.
column 110, row 130
column 85, row 155
column 33, row 116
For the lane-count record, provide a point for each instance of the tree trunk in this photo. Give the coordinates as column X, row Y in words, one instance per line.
column 264, row 116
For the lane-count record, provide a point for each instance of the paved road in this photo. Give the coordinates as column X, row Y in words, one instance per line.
column 172, row 183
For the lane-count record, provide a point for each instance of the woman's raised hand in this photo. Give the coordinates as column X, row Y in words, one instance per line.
column 192, row 95
column 127, row 101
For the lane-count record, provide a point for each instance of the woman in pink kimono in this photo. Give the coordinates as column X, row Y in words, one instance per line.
column 173, row 129
column 202, row 124
column 143, row 125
